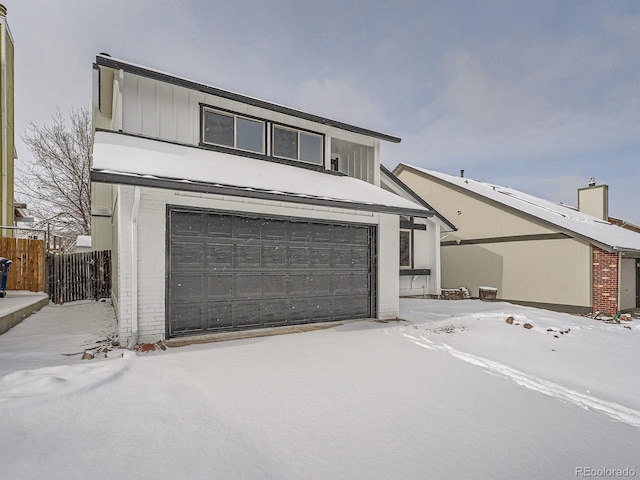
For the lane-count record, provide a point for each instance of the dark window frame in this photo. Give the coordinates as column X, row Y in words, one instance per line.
column 235, row 116
column 409, row 245
column 298, row 130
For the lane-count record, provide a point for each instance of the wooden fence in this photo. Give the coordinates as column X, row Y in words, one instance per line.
column 28, row 268
column 79, row 276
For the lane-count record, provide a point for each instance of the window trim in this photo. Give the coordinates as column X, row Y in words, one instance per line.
column 298, row 130
column 410, row 246
column 235, row 116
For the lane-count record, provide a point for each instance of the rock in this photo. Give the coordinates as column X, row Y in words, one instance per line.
column 528, row 326
column 626, row 317
column 87, row 355
column 627, row 326
column 509, row 320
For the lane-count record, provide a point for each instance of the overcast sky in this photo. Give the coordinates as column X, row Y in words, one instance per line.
column 535, row 95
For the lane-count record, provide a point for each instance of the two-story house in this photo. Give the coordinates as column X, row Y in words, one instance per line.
column 226, row 212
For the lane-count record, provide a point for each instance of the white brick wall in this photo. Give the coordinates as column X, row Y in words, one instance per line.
column 388, row 261
column 152, row 250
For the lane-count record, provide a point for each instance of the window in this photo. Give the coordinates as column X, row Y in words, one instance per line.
column 297, row 145
column 405, row 248
column 233, row 131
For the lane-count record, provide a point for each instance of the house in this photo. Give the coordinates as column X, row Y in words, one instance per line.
column 7, row 125
column 531, row 250
column 225, row 212
column 419, row 242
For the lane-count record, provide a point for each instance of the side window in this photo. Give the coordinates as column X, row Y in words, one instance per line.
column 405, row 248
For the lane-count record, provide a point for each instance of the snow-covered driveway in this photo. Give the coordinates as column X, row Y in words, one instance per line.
column 453, row 391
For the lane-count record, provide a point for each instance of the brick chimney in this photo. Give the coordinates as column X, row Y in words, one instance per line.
column 594, row 200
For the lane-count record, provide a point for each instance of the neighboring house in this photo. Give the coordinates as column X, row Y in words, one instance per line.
column 225, row 212
column 532, row 250
column 7, row 145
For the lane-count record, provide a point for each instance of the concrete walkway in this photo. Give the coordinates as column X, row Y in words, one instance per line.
column 18, row 305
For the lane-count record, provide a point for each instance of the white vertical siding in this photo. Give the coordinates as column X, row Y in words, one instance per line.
column 161, row 110
column 166, row 111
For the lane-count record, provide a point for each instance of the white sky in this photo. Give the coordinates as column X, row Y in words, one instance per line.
column 538, row 96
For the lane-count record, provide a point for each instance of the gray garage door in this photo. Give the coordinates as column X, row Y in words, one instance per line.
column 228, row 272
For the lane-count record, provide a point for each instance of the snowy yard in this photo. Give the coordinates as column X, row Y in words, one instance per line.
column 452, row 391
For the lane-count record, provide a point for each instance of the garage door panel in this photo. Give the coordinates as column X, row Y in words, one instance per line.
column 321, row 257
column 188, row 224
column 247, row 256
column 274, row 255
column 219, row 316
column 187, row 318
column 187, row 254
column 321, row 284
column 246, row 228
column 274, row 229
column 299, row 256
column 186, row 287
column 218, row 255
column 359, row 258
column 219, row 287
column 300, row 232
column 345, row 307
column 248, row 285
column 342, row 283
column 246, row 314
column 274, row 285
column 305, row 310
column 300, row 285
column 228, row 272
column 273, row 313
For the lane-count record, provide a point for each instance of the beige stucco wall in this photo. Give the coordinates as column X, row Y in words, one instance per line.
column 550, row 271
column 476, row 219
column 628, row 283
column 545, row 271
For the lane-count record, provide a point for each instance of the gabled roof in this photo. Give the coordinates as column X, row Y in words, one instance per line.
column 566, row 218
column 110, row 62
column 386, row 174
column 133, row 160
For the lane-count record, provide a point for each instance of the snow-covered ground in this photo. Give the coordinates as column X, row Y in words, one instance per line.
column 452, row 391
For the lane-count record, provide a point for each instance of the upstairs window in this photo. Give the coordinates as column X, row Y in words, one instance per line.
column 233, row 131
column 295, row 144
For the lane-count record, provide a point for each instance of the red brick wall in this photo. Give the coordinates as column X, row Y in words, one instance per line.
column 605, row 281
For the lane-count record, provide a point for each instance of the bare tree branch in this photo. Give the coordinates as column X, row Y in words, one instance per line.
column 57, row 183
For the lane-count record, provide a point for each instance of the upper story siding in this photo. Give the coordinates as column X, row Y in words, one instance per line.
column 156, row 106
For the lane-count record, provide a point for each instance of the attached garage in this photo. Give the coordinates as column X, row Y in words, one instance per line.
column 237, row 271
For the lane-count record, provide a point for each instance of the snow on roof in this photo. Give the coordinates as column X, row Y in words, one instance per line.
column 565, row 217
column 83, row 241
column 129, row 155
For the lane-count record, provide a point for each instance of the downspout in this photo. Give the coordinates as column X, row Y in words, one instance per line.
column 134, row 267
column 619, row 301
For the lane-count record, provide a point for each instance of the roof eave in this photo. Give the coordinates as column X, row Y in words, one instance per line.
column 418, row 198
column 104, row 61
column 110, row 177
column 542, row 221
